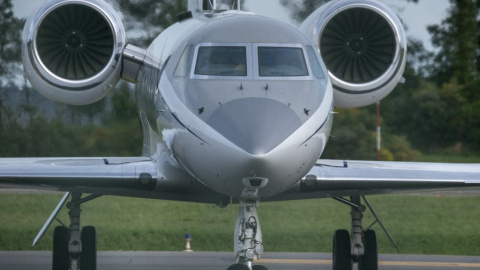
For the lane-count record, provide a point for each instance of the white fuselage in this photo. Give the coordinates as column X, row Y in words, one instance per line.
column 242, row 101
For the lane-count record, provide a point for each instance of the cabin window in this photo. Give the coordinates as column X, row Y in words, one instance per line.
column 281, row 62
column 221, row 61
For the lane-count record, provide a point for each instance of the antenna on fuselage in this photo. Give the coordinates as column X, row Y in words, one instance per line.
column 209, row 4
column 198, row 7
column 237, row 2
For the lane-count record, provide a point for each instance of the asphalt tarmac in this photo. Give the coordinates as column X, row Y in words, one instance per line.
column 112, row 260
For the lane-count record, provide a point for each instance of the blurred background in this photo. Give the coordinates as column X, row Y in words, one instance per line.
column 434, row 116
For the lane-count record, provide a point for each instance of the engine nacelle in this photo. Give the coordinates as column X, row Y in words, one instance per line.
column 72, row 49
column 363, row 45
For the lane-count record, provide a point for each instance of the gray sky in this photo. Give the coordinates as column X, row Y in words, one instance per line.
column 415, row 16
column 418, row 16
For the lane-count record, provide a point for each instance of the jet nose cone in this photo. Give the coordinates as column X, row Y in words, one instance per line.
column 257, row 125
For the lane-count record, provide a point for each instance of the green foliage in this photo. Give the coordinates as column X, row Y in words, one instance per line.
column 301, row 9
column 398, row 148
column 10, row 39
column 121, row 135
column 450, row 155
column 353, row 135
column 123, row 107
column 150, row 17
column 435, row 118
column 457, row 37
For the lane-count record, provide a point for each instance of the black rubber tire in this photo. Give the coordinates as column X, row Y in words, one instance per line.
column 61, row 256
column 259, row 267
column 369, row 261
column 88, row 259
column 238, row 266
column 342, row 258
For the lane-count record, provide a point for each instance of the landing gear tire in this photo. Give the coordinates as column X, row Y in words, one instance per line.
column 369, row 261
column 259, row 267
column 88, row 259
column 61, row 256
column 238, row 266
column 342, row 258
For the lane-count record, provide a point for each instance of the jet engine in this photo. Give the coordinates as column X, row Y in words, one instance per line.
column 72, row 48
column 363, row 46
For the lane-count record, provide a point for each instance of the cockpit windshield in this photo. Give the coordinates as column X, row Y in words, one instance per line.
column 221, row 61
column 281, row 61
column 252, row 61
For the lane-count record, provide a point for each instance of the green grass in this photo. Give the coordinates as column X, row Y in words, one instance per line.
column 448, row 157
column 419, row 224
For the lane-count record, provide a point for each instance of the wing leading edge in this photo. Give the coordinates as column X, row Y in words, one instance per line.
column 337, row 178
column 67, row 174
column 140, row 177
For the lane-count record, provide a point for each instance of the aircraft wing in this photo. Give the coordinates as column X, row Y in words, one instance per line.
column 67, row 174
column 337, row 178
column 121, row 176
column 134, row 176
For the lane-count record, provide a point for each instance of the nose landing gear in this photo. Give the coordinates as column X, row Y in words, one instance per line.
column 248, row 235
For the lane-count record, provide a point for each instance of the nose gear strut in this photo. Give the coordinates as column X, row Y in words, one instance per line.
column 248, row 241
column 248, row 235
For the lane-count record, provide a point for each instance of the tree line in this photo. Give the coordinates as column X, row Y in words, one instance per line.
column 436, row 110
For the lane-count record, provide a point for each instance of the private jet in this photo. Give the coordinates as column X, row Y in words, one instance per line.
column 235, row 108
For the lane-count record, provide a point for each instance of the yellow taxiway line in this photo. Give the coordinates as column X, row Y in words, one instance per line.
column 386, row 263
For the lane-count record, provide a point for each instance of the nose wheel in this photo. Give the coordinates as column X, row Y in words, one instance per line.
column 241, row 266
column 238, row 266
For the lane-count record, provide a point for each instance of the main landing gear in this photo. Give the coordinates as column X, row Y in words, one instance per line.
column 72, row 248
column 361, row 245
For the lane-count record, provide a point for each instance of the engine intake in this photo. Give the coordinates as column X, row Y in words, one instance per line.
column 357, row 50
column 75, row 42
column 363, row 46
column 71, row 50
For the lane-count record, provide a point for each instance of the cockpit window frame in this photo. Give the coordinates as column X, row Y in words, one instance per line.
column 249, row 67
column 256, row 46
column 252, row 62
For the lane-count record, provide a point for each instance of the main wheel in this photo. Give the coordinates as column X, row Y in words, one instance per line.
column 88, row 259
column 61, row 256
column 369, row 260
column 342, row 258
column 238, row 266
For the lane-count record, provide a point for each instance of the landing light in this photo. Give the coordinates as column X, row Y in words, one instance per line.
column 255, row 182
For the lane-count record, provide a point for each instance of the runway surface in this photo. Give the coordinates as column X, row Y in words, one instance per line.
column 110, row 260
